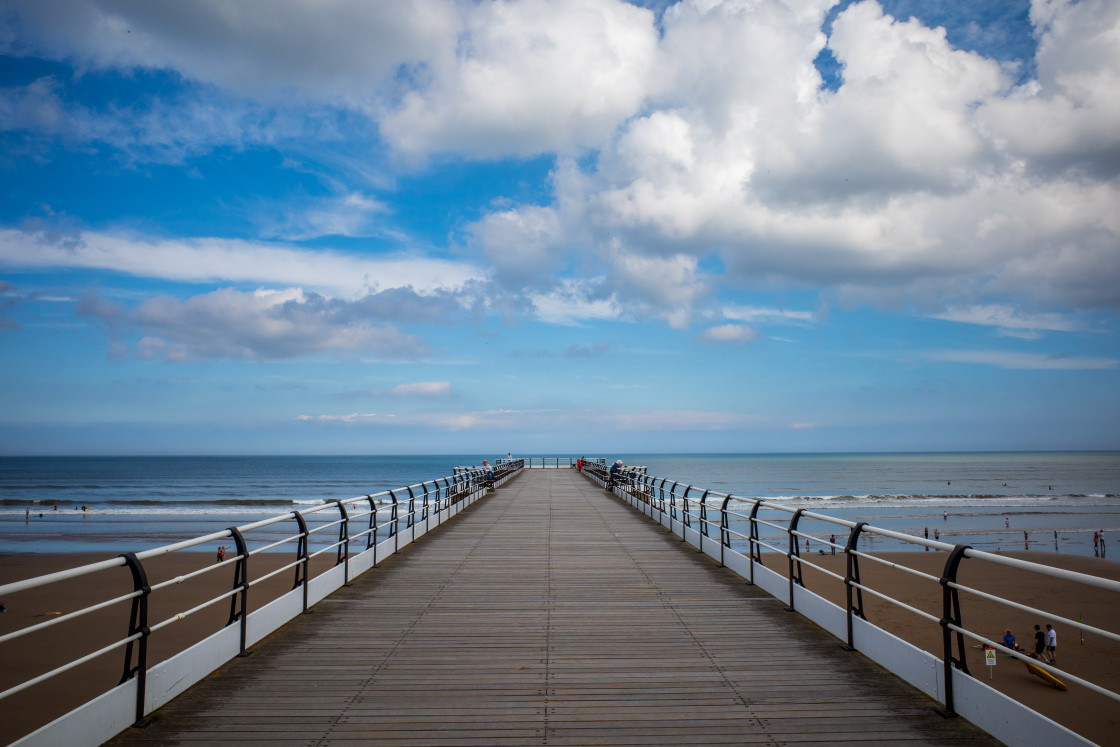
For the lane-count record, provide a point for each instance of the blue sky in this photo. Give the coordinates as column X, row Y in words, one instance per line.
column 556, row 227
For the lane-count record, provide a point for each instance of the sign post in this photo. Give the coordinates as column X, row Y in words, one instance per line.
column 990, row 660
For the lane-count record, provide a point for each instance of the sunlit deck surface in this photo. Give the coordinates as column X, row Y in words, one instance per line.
column 551, row 613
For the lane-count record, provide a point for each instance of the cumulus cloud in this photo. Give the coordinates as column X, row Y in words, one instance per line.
column 265, row 324
column 529, row 77
column 927, row 171
column 276, row 49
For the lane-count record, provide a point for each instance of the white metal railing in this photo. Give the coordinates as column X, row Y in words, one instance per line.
column 694, row 513
column 362, row 524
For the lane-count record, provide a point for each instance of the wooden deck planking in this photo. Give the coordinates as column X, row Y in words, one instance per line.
column 550, row 613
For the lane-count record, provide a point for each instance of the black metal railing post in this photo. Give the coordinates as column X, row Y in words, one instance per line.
column 794, row 556
column 424, row 503
column 703, row 516
column 852, row 577
column 138, row 624
column 393, row 520
column 724, row 528
column 755, row 549
column 302, row 558
column 686, row 515
column 951, row 615
column 240, row 613
column 411, row 506
column 343, row 557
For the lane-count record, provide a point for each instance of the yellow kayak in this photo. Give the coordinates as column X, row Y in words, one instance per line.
column 1045, row 676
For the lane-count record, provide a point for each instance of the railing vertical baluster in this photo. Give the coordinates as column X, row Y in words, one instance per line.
column 703, row 516
column 240, row 581
column 794, row 556
column 672, row 504
column 852, row 577
column 411, row 506
column 424, row 503
column 138, row 623
column 344, row 543
column 756, row 550
column 393, row 520
column 951, row 615
column 724, row 527
column 302, row 556
column 686, row 515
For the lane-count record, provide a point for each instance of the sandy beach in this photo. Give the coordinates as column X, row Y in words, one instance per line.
column 1090, row 657
column 1087, row 713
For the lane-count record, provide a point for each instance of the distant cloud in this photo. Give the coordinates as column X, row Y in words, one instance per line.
column 417, row 389
column 1013, row 322
column 763, row 314
column 265, row 324
column 1027, row 361
column 208, row 260
column 729, row 333
column 350, row 214
column 603, row 421
column 581, row 351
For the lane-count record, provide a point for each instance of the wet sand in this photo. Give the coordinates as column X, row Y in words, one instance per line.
column 1094, row 659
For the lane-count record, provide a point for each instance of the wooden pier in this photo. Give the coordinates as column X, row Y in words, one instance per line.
column 551, row 613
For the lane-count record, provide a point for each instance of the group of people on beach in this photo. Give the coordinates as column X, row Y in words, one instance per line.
column 1098, row 543
column 1045, row 644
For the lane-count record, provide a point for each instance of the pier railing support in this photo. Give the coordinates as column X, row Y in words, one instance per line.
column 951, row 615
column 794, row 557
column 240, row 613
column 138, row 625
column 343, row 557
column 851, row 577
column 303, row 558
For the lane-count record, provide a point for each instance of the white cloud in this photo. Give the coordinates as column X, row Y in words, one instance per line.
column 345, row 51
column 729, row 333
column 208, row 260
column 351, row 214
column 1026, row 361
column 1009, row 319
column 762, row 314
column 529, row 77
column 422, row 389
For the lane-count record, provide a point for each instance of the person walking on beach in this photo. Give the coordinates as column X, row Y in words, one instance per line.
column 1039, row 642
column 832, row 541
column 1051, row 644
column 1097, row 544
column 221, row 554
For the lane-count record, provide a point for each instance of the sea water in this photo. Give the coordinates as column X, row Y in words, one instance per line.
column 986, row 500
